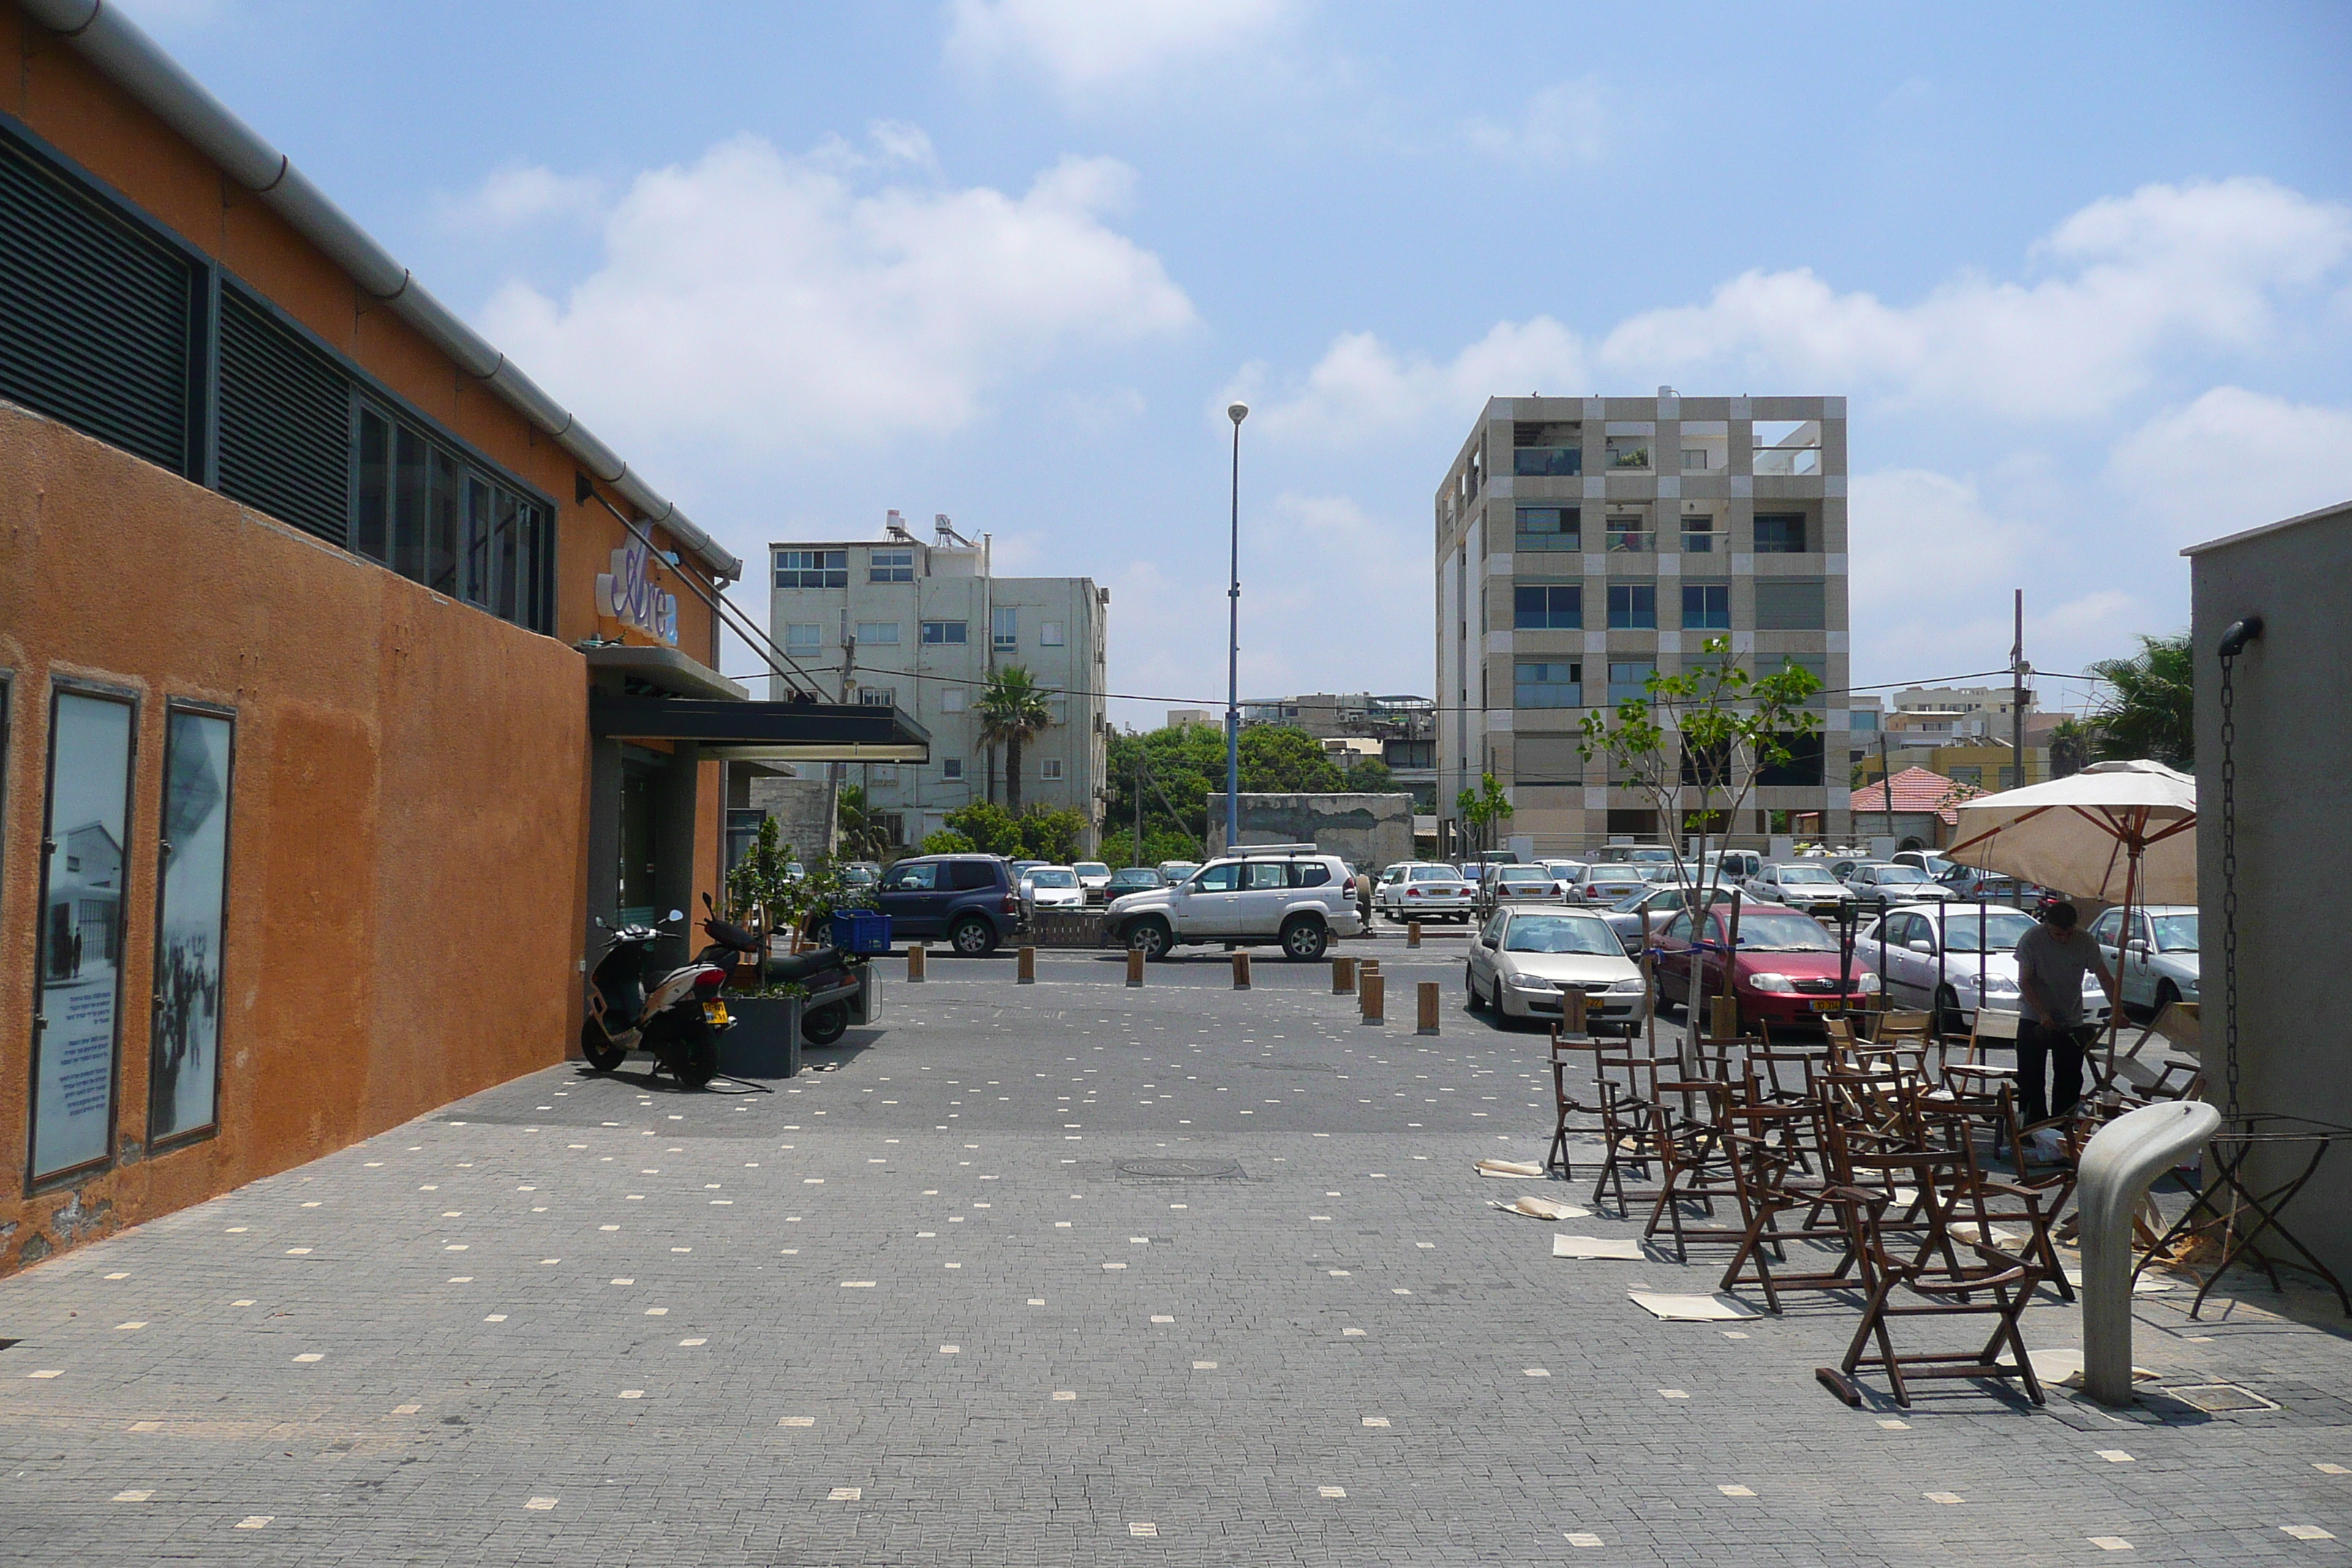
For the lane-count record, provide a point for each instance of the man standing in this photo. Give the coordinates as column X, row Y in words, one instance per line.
column 2052, row 959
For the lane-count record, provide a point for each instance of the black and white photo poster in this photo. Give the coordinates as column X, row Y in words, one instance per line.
column 185, row 1071
column 80, row 947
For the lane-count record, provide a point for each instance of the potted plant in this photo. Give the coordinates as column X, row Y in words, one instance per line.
column 765, row 1041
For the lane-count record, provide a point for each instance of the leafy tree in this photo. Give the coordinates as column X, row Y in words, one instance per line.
column 1370, row 776
column 864, row 834
column 987, row 827
column 2151, row 708
column 1485, row 809
column 947, row 841
column 758, row 888
column 1038, row 832
column 1012, row 711
column 1279, row 760
column 2071, row 741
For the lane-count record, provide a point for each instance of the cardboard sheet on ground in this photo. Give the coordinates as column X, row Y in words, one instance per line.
column 1693, row 1308
column 1595, row 1246
column 1544, row 1208
column 2146, row 1285
column 1514, row 1170
column 2062, row 1367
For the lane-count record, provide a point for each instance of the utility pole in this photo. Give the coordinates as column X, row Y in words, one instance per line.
column 1886, row 780
column 1139, row 800
column 2018, row 671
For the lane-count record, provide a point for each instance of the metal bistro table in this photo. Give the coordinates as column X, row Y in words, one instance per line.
column 2249, row 1213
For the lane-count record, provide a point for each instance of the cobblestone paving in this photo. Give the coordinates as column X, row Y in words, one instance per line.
column 1062, row 1273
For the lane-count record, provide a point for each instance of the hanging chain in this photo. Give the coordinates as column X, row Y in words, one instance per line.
column 2230, row 881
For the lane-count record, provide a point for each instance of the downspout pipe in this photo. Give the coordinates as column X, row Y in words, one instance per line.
column 127, row 57
column 2118, row 1165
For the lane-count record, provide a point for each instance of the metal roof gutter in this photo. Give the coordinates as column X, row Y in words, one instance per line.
column 101, row 33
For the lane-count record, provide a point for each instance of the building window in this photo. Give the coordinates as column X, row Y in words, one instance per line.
column 1787, row 445
column 1049, row 768
column 891, row 566
column 1629, row 451
column 1006, row 624
column 1630, row 679
column 952, row 700
column 803, row 637
column 1967, row 773
column 877, row 697
column 1548, row 685
column 1694, row 460
column 1544, row 451
column 1862, row 719
column 811, row 568
column 1550, row 528
column 1790, row 605
column 1628, row 533
column 423, row 512
column 1818, row 667
column 949, row 633
column 1707, row 608
column 1632, row 606
column 1539, row 607
column 1780, row 534
column 951, row 768
column 885, row 632
column 1057, row 704
column 1698, row 535
column 1049, row 634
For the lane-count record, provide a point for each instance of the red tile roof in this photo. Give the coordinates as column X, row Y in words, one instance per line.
column 1916, row 790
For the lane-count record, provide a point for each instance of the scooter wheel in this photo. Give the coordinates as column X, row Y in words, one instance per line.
column 826, row 1023
column 696, row 1058
column 603, row 1054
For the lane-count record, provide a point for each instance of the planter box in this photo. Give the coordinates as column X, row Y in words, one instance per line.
column 766, row 1039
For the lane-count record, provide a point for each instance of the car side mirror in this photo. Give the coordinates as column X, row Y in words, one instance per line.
column 1920, row 944
column 2140, row 948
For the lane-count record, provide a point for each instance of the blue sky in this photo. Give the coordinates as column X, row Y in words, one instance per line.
column 2084, row 273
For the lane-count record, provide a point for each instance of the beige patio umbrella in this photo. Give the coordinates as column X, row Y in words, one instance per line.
column 2119, row 832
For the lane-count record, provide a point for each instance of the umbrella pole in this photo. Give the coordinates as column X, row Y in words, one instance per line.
column 2123, row 945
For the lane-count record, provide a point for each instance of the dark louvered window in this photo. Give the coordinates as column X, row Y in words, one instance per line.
column 285, row 423
column 96, row 318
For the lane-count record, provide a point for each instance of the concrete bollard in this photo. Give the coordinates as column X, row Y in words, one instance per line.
column 1027, row 973
column 1371, row 990
column 1428, row 1024
column 1135, row 966
column 1241, row 971
column 1343, row 976
column 2117, row 1165
column 1571, row 1014
column 915, row 955
column 1412, row 933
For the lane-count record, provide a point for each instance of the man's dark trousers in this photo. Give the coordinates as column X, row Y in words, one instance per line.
column 2062, row 1049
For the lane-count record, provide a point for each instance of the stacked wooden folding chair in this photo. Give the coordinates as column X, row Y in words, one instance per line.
column 1575, row 1075
column 1982, row 1200
column 1771, row 1146
column 1632, row 1119
column 1697, row 1163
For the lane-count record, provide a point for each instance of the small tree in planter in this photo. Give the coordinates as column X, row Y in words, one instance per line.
column 759, row 885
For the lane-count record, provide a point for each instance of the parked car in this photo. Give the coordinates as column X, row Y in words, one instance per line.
column 1134, row 880
column 1785, row 970
column 1094, row 877
column 1966, row 882
column 1527, row 954
column 1804, row 885
column 1729, row 867
column 1662, row 904
column 1632, row 855
column 1052, row 888
column 1977, row 968
column 1927, row 860
column 1880, row 882
column 1410, row 890
column 1291, row 894
column 1605, row 883
column 1566, row 871
column 969, row 899
column 1173, row 871
column 2161, row 965
column 861, row 873
column 1503, row 883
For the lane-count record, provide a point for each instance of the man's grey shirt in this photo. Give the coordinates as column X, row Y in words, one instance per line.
column 2055, row 964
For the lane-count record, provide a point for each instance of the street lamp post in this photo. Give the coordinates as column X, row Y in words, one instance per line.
column 1237, row 412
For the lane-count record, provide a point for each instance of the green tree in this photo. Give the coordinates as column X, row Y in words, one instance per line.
column 2151, row 706
column 988, row 828
column 864, row 834
column 1279, row 760
column 1370, row 776
column 1483, row 809
column 2071, row 741
column 1012, row 711
column 758, row 886
column 947, row 841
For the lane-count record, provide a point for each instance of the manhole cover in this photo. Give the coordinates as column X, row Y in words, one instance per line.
column 2221, row 1398
column 1182, row 1170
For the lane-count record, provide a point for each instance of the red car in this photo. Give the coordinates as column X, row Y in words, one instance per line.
column 1786, row 969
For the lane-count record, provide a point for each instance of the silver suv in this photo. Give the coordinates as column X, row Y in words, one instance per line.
column 1292, row 894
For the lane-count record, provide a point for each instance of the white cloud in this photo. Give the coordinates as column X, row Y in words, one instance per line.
column 1362, row 389
column 1927, row 551
column 2234, row 460
column 1567, row 122
column 772, row 302
column 1088, row 46
column 523, row 194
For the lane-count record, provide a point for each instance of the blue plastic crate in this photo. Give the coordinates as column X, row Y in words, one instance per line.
column 861, row 930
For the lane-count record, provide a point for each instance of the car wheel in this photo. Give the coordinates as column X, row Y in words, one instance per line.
column 973, row 937
column 1150, row 938
column 1470, row 998
column 2167, row 993
column 1304, row 939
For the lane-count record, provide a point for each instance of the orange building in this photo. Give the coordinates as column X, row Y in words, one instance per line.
column 344, row 677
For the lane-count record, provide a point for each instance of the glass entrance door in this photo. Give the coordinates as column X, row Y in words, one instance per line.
column 636, row 879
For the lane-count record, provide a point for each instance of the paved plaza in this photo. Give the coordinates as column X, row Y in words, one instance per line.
column 1062, row 1273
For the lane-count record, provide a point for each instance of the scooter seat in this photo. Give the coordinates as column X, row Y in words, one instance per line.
column 805, row 964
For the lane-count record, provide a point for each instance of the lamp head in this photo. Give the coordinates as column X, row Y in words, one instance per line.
column 1237, row 412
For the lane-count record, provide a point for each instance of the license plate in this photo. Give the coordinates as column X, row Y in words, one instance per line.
column 714, row 1013
column 1828, row 1005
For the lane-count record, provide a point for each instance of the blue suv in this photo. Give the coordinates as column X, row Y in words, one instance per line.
column 969, row 899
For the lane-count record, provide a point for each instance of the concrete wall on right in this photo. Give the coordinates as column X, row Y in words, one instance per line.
column 2293, row 752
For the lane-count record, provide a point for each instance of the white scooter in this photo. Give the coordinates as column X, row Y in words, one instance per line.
column 678, row 1020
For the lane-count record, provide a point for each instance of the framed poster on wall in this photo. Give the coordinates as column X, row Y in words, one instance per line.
column 191, row 919
column 77, row 1005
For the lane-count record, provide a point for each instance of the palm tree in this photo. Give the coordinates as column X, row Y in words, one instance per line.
column 864, row 834
column 2151, row 708
column 1012, row 710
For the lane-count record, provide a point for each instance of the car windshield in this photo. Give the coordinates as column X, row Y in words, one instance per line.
column 1887, row 874
column 1091, row 868
column 1132, row 879
column 1561, row 933
column 1791, row 875
column 1775, row 932
column 1997, row 931
column 2175, row 934
column 858, row 875
column 1052, row 877
column 1435, row 874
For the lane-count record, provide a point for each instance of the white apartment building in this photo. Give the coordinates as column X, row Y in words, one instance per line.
column 1583, row 543
column 918, row 626
column 1990, row 702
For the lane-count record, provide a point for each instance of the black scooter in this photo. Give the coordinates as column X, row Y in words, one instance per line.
column 678, row 1020
column 830, row 975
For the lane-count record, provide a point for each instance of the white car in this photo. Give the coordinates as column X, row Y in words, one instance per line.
column 1052, row 888
column 1412, row 892
column 1877, row 882
column 1094, row 877
column 1804, row 885
column 1605, row 884
column 1290, row 894
column 2161, row 966
column 1527, row 954
column 1937, row 959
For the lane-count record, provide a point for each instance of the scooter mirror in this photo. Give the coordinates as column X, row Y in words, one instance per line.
column 678, row 914
column 600, row 922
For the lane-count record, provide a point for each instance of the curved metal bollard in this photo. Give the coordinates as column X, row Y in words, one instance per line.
column 2118, row 1165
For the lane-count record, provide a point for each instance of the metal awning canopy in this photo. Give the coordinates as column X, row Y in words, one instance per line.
column 663, row 670
column 764, row 732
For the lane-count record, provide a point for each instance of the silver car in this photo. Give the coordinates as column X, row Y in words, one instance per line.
column 1527, row 954
column 2161, row 966
column 1804, row 885
column 1937, row 958
column 1414, row 891
column 1877, row 882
